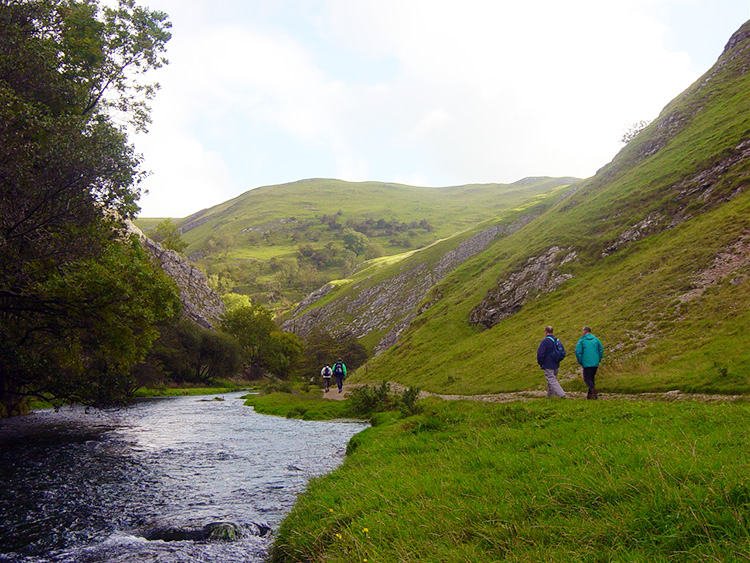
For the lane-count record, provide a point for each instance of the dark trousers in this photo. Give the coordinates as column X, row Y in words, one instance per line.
column 339, row 381
column 588, row 377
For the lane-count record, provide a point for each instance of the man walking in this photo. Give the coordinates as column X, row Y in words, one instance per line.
column 589, row 353
column 549, row 360
column 339, row 372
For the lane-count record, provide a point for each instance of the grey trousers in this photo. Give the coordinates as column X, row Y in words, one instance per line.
column 553, row 387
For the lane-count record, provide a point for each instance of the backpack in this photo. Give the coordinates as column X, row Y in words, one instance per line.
column 558, row 351
column 326, row 371
column 337, row 369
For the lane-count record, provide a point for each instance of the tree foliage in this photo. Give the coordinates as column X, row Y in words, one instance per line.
column 266, row 348
column 70, row 81
column 321, row 347
column 168, row 235
column 77, row 337
column 633, row 131
column 188, row 353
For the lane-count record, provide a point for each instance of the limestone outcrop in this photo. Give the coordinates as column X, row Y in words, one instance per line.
column 199, row 302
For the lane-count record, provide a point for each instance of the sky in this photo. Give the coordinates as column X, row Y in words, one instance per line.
column 421, row 92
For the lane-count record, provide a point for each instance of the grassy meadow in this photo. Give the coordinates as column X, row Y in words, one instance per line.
column 537, row 481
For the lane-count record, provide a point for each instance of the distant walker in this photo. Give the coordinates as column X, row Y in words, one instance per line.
column 326, row 373
column 339, row 372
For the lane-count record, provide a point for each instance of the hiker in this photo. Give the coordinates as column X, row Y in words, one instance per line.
column 326, row 372
column 589, row 352
column 339, row 371
column 548, row 357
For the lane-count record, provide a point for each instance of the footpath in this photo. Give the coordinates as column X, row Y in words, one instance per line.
column 676, row 395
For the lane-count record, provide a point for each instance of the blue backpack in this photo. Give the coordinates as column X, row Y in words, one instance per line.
column 558, row 351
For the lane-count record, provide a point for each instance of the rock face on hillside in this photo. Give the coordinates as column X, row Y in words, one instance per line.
column 390, row 306
column 199, row 302
column 539, row 275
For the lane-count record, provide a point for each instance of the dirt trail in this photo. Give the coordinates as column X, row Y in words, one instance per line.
column 334, row 395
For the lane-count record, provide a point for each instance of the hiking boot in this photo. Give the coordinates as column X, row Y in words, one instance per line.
column 594, row 393
column 589, row 395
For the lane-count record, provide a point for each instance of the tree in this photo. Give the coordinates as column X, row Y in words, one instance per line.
column 236, row 301
column 168, row 235
column 69, row 72
column 355, row 241
column 321, row 347
column 187, row 352
column 78, row 337
column 266, row 348
column 633, row 131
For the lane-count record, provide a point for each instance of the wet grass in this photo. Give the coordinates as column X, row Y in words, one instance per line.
column 539, row 481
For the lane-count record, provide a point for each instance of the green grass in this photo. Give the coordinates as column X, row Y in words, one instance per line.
column 531, row 482
column 236, row 240
column 188, row 391
column 303, row 405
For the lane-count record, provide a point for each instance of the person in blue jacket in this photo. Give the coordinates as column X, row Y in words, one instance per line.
column 548, row 364
column 589, row 353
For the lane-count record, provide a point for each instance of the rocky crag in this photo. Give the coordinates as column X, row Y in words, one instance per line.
column 199, row 302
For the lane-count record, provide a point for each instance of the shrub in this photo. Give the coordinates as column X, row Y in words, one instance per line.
column 365, row 401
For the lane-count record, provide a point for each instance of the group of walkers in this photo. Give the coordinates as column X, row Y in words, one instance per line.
column 338, row 371
column 589, row 353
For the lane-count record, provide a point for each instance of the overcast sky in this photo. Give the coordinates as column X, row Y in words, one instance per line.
column 421, row 92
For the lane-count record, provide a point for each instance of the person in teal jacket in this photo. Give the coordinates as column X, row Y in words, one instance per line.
column 589, row 353
column 339, row 372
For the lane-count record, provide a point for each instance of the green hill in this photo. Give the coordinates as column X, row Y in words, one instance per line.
column 653, row 253
column 279, row 243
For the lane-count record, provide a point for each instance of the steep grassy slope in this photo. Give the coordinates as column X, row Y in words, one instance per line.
column 447, row 210
column 278, row 243
column 653, row 252
column 381, row 298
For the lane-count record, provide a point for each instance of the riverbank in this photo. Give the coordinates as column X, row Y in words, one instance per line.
column 615, row 480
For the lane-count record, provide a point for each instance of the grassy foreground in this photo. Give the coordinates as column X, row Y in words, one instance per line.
column 537, row 481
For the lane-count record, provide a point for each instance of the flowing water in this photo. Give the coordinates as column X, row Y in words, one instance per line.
column 187, row 479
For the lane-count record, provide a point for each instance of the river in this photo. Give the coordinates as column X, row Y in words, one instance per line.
column 163, row 481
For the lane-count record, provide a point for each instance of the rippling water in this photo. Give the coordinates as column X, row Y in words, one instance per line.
column 154, row 481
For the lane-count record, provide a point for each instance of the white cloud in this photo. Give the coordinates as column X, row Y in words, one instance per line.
column 452, row 91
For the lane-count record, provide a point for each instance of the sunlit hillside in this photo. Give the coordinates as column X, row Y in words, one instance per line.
column 653, row 253
column 279, row 243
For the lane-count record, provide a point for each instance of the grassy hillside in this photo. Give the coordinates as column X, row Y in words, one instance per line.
column 378, row 300
column 278, row 243
column 653, row 253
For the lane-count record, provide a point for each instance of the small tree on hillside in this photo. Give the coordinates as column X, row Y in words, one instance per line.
column 168, row 235
column 633, row 131
column 355, row 241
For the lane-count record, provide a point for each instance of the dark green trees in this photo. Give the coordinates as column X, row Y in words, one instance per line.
column 78, row 299
column 265, row 347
